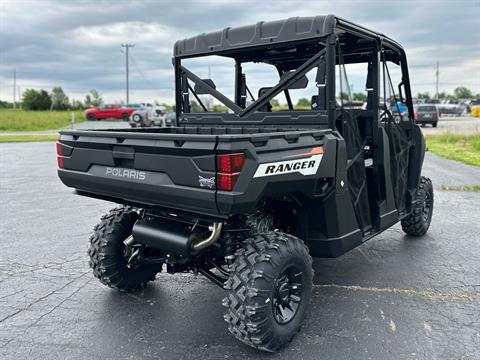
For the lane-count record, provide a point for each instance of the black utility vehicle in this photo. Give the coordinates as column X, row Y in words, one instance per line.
column 247, row 197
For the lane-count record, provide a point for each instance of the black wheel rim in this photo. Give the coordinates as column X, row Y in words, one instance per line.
column 427, row 205
column 288, row 295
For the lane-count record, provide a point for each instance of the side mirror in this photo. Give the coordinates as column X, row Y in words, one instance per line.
column 200, row 89
column 299, row 84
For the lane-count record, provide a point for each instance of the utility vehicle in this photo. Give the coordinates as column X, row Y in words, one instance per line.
column 247, row 197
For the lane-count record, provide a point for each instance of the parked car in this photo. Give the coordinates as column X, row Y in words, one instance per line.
column 137, row 105
column 427, row 114
column 170, row 119
column 148, row 116
column 108, row 111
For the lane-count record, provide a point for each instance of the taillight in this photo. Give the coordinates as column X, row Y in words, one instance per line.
column 228, row 170
column 226, row 182
column 230, row 163
column 59, row 155
column 415, row 115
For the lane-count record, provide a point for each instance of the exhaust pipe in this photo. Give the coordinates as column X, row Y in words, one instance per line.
column 173, row 237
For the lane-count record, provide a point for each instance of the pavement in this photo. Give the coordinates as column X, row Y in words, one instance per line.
column 392, row 298
column 453, row 124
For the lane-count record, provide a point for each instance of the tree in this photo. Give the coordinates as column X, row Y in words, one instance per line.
column 59, row 99
column 275, row 103
column 423, row 96
column 359, row 96
column 303, row 103
column 463, row 93
column 6, row 105
column 194, row 107
column 36, row 100
column 93, row 99
column 219, row 108
column 76, row 105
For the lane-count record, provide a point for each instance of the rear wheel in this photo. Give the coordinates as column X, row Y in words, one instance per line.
column 269, row 289
column 91, row 118
column 418, row 222
column 434, row 124
column 109, row 256
column 125, row 117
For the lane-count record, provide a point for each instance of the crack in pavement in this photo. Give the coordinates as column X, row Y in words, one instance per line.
column 427, row 294
column 42, row 298
column 49, row 311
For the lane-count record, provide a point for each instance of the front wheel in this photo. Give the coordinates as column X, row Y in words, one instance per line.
column 418, row 222
column 125, row 117
column 109, row 256
column 434, row 124
column 269, row 289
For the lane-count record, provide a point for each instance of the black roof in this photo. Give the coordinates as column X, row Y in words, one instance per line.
column 263, row 33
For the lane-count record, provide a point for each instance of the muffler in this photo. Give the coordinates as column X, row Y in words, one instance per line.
column 173, row 237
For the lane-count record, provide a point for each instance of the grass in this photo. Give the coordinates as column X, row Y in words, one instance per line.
column 25, row 138
column 464, row 148
column 461, row 187
column 19, row 120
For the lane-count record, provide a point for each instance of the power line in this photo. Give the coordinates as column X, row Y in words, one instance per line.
column 135, row 65
column 127, row 46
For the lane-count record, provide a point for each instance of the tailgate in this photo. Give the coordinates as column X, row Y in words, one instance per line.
column 168, row 170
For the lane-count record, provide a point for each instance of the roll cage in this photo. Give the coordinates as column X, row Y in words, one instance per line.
column 294, row 47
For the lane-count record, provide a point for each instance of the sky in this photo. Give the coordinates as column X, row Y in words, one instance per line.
column 77, row 44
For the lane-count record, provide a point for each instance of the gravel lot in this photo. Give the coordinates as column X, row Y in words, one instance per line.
column 392, row 298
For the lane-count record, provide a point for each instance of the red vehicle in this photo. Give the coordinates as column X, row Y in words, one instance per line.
column 109, row 111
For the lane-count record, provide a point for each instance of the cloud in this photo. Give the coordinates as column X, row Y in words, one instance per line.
column 77, row 44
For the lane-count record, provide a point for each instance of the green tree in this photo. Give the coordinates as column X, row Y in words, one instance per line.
column 303, row 103
column 219, row 108
column 463, row 93
column 59, row 99
column 93, row 99
column 36, row 100
column 76, row 105
column 5, row 105
column 423, row 96
column 359, row 96
column 275, row 102
column 194, row 107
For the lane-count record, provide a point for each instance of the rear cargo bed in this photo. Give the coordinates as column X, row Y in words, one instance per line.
column 172, row 168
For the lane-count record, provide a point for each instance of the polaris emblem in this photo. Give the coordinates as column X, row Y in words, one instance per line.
column 206, row 182
column 306, row 166
column 126, row 173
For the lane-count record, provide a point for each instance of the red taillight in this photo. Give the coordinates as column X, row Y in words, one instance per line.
column 415, row 115
column 59, row 155
column 59, row 149
column 230, row 163
column 226, row 182
column 60, row 161
column 228, row 170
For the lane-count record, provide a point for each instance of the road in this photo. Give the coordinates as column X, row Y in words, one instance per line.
column 392, row 298
column 457, row 125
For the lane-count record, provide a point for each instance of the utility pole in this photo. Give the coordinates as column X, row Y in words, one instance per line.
column 437, row 73
column 15, row 89
column 127, row 46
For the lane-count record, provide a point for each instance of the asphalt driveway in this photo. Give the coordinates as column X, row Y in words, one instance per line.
column 392, row 298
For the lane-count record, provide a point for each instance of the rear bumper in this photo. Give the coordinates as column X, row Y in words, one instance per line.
column 160, row 192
